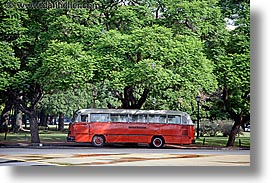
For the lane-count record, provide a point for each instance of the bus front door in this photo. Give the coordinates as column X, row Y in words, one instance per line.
column 82, row 132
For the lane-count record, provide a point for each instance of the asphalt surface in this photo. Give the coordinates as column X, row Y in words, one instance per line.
column 75, row 154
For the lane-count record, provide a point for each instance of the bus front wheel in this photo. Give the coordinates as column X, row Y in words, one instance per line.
column 98, row 141
column 157, row 142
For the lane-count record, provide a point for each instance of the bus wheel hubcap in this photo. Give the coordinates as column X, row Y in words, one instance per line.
column 157, row 142
column 98, row 140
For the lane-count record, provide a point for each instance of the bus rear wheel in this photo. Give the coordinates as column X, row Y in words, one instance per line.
column 98, row 141
column 157, row 142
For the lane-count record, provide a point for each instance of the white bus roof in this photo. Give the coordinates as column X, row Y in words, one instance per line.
column 130, row 111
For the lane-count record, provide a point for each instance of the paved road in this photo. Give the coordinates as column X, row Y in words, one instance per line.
column 110, row 156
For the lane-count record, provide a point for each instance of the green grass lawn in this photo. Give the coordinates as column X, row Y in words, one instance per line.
column 243, row 140
column 56, row 136
column 46, row 135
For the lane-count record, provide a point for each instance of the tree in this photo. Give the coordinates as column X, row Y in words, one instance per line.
column 11, row 31
column 8, row 66
column 152, row 61
column 28, row 41
column 233, row 68
column 202, row 19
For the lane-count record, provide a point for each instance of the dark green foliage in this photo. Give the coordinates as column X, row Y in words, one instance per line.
column 132, row 54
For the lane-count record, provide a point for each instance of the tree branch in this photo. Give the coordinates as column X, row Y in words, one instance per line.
column 143, row 98
column 139, row 56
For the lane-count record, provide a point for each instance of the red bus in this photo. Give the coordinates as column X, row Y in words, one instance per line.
column 154, row 127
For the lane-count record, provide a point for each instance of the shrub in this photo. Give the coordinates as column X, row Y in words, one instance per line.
column 208, row 128
column 225, row 128
column 213, row 128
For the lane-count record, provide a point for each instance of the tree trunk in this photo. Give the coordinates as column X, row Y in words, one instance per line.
column 237, row 124
column 19, row 121
column 43, row 118
column 34, row 128
column 129, row 101
column 61, row 122
column 5, row 116
column 14, row 128
column 27, row 104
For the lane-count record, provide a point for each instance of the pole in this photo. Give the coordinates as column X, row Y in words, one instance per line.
column 94, row 93
column 94, row 106
column 198, row 121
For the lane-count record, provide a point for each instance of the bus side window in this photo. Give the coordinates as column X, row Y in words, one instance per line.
column 93, row 117
column 142, row 118
column 138, row 118
column 133, row 118
column 173, row 119
column 162, row 119
column 104, row 117
column 119, row 117
column 124, row 118
column 99, row 117
column 114, row 117
column 154, row 118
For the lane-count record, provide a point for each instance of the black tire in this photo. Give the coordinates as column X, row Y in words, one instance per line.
column 157, row 142
column 98, row 141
